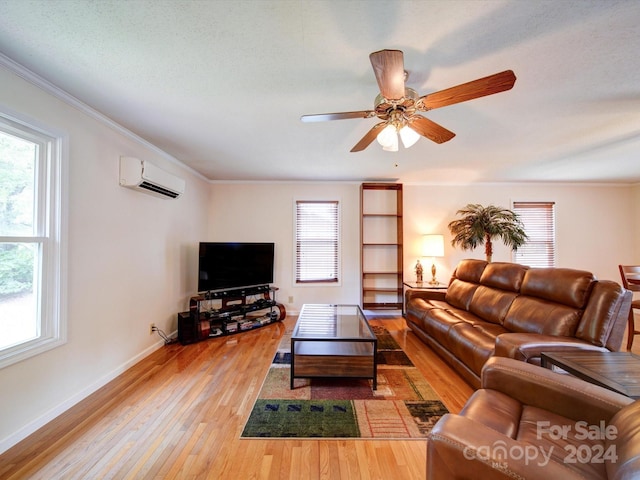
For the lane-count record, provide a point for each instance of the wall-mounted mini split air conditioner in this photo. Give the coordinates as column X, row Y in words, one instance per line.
column 146, row 177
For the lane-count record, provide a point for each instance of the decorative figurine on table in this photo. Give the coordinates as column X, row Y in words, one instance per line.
column 419, row 272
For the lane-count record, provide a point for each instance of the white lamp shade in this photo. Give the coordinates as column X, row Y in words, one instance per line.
column 433, row 246
column 409, row 136
column 387, row 136
column 393, row 146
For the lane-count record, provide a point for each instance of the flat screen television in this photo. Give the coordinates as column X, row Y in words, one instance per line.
column 224, row 265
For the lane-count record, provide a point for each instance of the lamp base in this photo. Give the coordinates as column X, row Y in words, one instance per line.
column 433, row 275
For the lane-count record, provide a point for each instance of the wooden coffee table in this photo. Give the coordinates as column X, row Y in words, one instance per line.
column 617, row 371
column 333, row 341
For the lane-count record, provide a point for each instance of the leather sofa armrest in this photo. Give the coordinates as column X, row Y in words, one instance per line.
column 439, row 294
column 528, row 346
column 562, row 394
column 459, row 447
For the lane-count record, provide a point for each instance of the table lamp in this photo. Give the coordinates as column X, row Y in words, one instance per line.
column 433, row 246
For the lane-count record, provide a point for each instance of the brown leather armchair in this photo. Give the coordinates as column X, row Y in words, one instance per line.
column 529, row 422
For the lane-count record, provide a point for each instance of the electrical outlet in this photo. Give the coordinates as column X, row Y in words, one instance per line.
column 152, row 328
column 290, row 298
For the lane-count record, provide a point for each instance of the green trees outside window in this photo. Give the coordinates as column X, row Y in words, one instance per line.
column 17, row 180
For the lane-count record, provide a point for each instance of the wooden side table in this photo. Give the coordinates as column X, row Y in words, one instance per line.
column 617, row 371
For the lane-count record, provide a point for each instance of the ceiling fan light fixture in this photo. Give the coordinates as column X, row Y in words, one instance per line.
column 408, row 136
column 388, row 136
column 393, row 146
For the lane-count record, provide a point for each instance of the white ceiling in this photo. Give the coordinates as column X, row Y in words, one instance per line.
column 221, row 85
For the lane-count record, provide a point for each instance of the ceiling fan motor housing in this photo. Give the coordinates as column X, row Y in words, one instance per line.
column 407, row 104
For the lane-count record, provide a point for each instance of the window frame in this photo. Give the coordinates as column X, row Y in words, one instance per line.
column 338, row 258
column 49, row 234
column 544, row 235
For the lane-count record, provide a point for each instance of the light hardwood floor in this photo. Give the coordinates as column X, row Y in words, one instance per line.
column 179, row 413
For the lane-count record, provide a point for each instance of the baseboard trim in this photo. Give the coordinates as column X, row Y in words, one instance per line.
column 41, row 421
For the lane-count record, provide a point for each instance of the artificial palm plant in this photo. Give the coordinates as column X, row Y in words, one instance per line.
column 479, row 225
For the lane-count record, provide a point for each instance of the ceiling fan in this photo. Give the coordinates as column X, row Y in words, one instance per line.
column 398, row 106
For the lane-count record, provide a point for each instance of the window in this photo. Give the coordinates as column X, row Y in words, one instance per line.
column 317, row 237
column 30, row 241
column 539, row 224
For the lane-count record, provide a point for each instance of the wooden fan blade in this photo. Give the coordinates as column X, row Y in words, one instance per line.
column 324, row 117
column 388, row 67
column 482, row 87
column 430, row 129
column 369, row 137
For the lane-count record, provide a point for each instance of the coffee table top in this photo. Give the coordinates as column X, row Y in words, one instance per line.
column 617, row 371
column 327, row 321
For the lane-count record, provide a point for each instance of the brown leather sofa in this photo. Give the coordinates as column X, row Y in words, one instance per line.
column 528, row 422
column 510, row 310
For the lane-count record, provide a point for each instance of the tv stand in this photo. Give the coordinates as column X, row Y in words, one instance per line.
column 226, row 312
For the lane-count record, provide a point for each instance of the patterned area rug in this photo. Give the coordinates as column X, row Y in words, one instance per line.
column 404, row 406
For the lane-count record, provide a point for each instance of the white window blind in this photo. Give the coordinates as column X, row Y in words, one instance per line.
column 539, row 224
column 317, row 237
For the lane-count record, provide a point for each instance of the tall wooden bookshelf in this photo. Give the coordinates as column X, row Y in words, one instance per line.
column 381, row 256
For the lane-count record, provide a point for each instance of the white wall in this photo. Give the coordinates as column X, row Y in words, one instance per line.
column 593, row 228
column 264, row 212
column 131, row 261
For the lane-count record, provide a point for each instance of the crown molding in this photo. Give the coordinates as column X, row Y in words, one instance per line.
column 69, row 99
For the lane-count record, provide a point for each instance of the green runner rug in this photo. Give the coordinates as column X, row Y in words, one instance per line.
column 404, row 406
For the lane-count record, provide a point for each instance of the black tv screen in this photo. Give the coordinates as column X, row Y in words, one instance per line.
column 234, row 265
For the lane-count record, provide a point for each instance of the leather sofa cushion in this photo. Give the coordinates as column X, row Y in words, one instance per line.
column 460, row 293
column 505, row 276
column 561, row 285
column 495, row 410
column 528, row 314
column 444, row 320
column 473, row 344
column 491, row 304
column 597, row 319
column 464, row 282
column 470, row 270
column 531, row 431
column 418, row 307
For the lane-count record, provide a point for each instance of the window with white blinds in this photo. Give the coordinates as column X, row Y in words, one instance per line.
column 317, row 241
column 539, row 224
